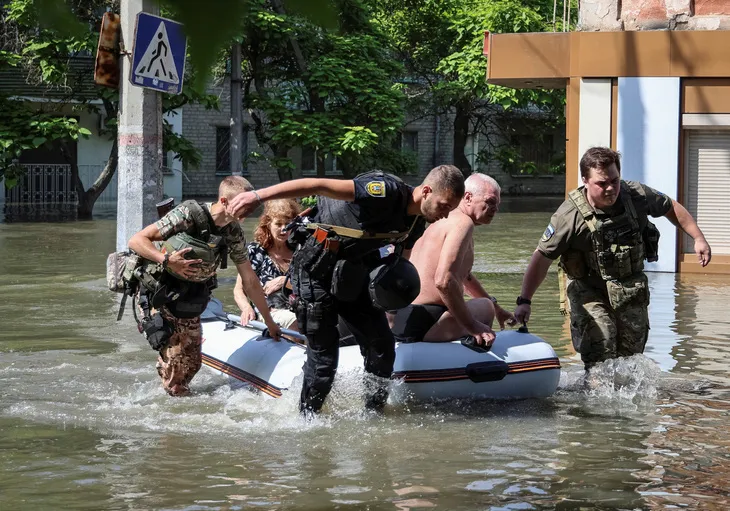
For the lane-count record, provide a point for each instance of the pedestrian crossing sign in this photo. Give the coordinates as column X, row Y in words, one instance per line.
column 158, row 59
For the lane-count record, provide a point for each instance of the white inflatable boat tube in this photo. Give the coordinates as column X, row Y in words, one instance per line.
column 519, row 365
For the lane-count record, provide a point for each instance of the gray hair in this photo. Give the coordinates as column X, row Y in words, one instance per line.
column 477, row 184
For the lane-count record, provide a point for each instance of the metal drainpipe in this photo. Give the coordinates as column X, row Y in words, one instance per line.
column 436, row 140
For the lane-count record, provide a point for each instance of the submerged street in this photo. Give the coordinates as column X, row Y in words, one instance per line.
column 86, row 425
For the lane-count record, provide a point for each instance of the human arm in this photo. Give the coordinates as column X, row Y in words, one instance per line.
column 474, row 288
column 245, row 203
column 273, row 285
column 247, row 312
column 143, row 244
column 251, row 286
column 449, row 285
column 682, row 218
column 536, row 272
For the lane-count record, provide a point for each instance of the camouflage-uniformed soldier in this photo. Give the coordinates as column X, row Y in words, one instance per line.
column 602, row 236
column 176, row 281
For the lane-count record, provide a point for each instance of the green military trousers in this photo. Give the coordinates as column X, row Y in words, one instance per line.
column 609, row 319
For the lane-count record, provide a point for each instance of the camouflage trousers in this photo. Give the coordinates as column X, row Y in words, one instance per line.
column 182, row 358
column 609, row 319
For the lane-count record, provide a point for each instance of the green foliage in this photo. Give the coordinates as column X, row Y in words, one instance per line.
column 395, row 161
column 512, row 162
column 308, row 202
column 311, row 87
column 441, row 42
column 24, row 128
column 45, row 47
column 210, row 25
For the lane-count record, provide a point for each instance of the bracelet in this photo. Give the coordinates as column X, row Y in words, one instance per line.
column 257, row 197
column 523, row 301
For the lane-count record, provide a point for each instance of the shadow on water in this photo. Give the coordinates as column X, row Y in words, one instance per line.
column 26, row 213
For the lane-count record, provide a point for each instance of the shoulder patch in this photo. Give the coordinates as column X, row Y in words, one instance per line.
column 548, row 233
column 376, row 188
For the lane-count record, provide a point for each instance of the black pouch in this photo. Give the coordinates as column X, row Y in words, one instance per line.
column 651, row 242
column 300, row 309
column 308, row 254
column 314, row 315
column 297, row 236
column 157, row 331
column 348, row 280
column 192, row 304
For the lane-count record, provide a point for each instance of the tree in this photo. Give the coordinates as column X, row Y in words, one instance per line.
column 305, row 86
column 440, row 42
column 46, row 56
column 210, row 26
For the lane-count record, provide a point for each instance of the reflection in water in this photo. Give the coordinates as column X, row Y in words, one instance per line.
column 86, row 425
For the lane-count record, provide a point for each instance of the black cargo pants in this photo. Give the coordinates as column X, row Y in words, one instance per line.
column 317, row 314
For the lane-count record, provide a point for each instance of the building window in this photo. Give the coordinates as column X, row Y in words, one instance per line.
column 315, row 162
column 223, row 150
column 166, row 167
column 536, row 149
column 406, row 141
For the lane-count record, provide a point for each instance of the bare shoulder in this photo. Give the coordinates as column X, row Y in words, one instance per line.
column 458, row 225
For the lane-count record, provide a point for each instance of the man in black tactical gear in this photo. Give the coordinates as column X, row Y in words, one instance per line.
column 355, row 220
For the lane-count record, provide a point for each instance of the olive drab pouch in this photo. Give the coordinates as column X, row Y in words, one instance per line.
column 651, row 242
column 616, row 262
column 632, row 291
column 573, row 263
column 120, row 268
column 348, row 280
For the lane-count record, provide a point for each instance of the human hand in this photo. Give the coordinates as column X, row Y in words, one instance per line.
column 483, row 334
column 504, row 317
column 243, row 205
column 274, row 285
column 247, row 314
column 703, row 251
column 274, row 330
column 181, row 266
column 522, row 313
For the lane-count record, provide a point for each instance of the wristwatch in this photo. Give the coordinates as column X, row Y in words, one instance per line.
column 165, row 261
column 494, row 300
column 523, row 301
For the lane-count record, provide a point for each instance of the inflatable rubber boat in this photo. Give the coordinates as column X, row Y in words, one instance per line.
column 519, row 364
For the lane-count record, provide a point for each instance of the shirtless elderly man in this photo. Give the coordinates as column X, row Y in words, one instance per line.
column 439, row 312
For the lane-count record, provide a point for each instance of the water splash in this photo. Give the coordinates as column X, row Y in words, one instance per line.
column 626, row 382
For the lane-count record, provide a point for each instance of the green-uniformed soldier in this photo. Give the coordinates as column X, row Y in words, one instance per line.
column 175, row 282
column 602, row 236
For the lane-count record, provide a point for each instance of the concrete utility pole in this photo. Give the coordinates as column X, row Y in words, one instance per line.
column 236, row 111
column 139, row 136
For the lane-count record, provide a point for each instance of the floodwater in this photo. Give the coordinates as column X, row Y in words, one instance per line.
column 85, row 424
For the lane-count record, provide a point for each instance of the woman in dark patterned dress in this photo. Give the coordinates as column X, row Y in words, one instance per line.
column 270, row 258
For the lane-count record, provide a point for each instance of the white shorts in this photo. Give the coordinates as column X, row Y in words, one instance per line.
column 282, row 317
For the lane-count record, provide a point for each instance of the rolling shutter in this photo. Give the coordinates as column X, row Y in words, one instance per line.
column 707, row 187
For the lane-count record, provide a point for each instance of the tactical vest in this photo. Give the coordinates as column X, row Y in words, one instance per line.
column 206, row 246
column 618, row 245
column 364, row 233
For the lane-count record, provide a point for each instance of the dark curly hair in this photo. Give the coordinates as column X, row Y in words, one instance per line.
column 285, row 209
